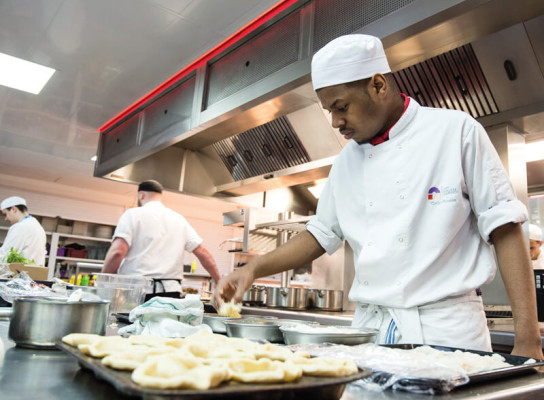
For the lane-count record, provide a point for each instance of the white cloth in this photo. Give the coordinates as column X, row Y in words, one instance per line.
column 457, row 321
column 418, row 209
column 28, row 238
column 539, row 262
column 157, row 237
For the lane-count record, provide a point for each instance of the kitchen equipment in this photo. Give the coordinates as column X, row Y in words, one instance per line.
column 287, row 297
column 318, row 387
column 260, row 329
column 293, row 334
column 256, row 295
column 125, row 292
column 330, row 300
column 217, row 322
column 40, row 322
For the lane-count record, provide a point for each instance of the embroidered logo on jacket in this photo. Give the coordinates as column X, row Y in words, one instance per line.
column 448, row 194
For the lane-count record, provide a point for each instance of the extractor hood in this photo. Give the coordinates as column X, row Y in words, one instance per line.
column 272, row 132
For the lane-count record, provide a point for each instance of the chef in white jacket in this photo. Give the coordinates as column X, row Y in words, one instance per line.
column 535, row 246
column 25, row 235
column 420, row 195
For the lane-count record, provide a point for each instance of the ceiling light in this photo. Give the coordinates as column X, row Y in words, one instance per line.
column 534, row 151
column 23, row 75
column 94, row 158
column 316, row 189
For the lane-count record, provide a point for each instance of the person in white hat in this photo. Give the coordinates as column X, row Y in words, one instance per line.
column 420, row 195
column 535, row 244
column 25, row 235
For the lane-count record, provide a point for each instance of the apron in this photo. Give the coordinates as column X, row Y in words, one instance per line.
column 456, row 321
column 159, row 283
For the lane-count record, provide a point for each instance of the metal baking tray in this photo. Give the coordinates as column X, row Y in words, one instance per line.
column 437, row 386
column 303, row 388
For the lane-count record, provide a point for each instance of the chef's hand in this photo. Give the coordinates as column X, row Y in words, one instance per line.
column 528, row 351
column 232, row 287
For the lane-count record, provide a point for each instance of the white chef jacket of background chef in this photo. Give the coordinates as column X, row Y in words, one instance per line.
column 157, row 237
column 418, row 209
column 27, row 237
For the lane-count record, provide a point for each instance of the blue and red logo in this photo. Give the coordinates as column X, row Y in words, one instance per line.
column 434, row 194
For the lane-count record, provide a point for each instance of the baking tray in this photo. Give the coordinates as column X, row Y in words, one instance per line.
column 437, row 386
column 304, row 388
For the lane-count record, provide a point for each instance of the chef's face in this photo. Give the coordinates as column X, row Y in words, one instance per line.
column 534, row 247
column 10, row 215
column 356, row 108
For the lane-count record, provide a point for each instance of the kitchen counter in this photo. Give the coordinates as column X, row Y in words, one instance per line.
column 50, row 374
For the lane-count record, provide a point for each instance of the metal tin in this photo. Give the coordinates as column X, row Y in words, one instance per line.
column 260, row 329
column 217, row 322
column 41, row 322
column 285, row 297
column 349, row 336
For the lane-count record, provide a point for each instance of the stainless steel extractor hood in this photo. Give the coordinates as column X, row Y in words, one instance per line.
column 274, row 134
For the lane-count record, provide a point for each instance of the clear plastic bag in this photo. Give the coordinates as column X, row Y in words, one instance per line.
column 394, row 369
column 23, row 285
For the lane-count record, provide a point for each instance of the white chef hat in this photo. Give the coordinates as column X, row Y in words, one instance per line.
column 12, row 201
column 348, row 58
column 535, row 233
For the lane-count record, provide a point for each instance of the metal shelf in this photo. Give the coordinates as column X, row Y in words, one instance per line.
column 289, row 225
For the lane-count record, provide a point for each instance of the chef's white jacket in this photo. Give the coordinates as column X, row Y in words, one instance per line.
column 157, row 237
column 418, row 209
column 28, row 238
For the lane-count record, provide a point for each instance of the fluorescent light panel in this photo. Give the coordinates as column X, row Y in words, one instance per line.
column 23, row 75
column 534, row 151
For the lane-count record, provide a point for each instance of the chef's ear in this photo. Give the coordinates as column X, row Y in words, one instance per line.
column 378, row 83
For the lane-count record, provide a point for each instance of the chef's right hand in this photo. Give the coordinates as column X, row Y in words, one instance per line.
column 232, row 287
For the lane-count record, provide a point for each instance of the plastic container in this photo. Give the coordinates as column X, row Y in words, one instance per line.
column 124, row 291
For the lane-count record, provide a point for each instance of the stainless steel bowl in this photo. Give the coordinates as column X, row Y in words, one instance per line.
column 217, row 322
column 40, row 322
column 260, row 329
column 345, row 335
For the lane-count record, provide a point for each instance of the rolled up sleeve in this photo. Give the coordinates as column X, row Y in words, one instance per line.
column 490, row 191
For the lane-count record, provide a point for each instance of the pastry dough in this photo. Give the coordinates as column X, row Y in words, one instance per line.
column 230, row 310
column 129, row 360
column 108, row 345
column 75, row 339
column 148, row 340
column 263, row 371
column 273, row 352
column 325, row 366
column 175, row 371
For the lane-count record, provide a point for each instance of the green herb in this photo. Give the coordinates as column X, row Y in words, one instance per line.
column 15, row 257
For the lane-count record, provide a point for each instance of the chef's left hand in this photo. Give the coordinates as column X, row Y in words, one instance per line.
column 534, row 351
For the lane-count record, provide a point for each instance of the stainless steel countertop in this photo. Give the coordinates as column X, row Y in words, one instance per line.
column 50, row 374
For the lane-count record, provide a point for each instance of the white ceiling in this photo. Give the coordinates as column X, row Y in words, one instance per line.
column 108, row 54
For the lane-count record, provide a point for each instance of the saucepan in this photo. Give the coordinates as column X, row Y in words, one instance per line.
column 41, row 322
column 287, row 297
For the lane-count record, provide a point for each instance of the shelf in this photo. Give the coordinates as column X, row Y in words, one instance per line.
column 291, row 225
column 80, row 260
column 83, row 237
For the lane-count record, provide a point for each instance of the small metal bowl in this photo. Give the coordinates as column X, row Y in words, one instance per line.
column 346, row 335
column 260, row 329
column 217, row 322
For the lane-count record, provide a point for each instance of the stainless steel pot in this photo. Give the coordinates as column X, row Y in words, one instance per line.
column 330, row 300
column 292, row 298
column 256, row 295
column 41, row 322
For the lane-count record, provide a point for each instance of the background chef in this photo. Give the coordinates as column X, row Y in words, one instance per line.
column 535, row 246
column 150, row 240
column 25, row 235
column 419, row 195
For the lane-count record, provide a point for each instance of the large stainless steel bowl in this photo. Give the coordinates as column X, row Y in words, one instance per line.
column 41, row 322
column 217, row 322
column 260, row 329
column 328, row 334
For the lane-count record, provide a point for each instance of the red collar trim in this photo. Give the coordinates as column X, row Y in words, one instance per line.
column 385, row 137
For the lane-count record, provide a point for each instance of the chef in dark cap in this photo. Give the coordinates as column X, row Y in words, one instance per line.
column 150, row 240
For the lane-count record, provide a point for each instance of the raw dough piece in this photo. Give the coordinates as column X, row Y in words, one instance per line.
column 230, row 310
column 148, row 340
column 129, row 360
column 174, row 371
column 273, row 352
column 263, row 371
column 75, row 339
column 108, row 345
column 325, row 366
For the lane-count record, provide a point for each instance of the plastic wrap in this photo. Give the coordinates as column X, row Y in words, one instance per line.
column 23, row 285
column 396, row 369
column 5, row 271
